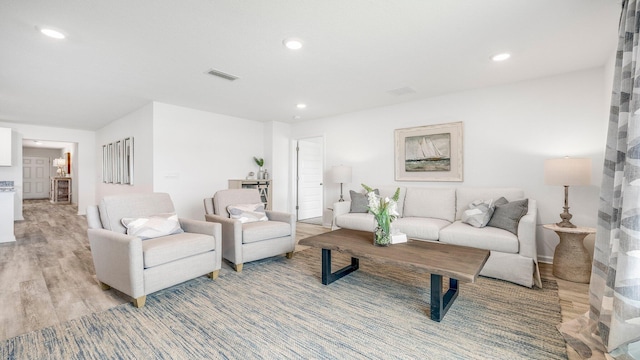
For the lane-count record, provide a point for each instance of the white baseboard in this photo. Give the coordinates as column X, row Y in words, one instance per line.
column 545, row 259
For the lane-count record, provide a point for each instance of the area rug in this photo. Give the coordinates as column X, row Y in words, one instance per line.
column 278, row 309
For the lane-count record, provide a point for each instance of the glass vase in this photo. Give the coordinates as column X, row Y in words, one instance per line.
column 381, row 237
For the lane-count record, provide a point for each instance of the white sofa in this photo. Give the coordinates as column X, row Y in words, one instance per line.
column 434, row 214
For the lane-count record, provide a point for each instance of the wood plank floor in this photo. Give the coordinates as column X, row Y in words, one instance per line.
column 47, row 275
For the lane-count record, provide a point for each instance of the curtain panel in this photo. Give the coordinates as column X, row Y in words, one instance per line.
column 615, row 281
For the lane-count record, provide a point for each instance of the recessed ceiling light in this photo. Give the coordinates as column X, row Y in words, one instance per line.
column 52, row 33
column 301, row 106
column 292, row 43
column 501, row 57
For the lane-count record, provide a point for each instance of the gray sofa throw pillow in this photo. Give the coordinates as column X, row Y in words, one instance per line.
column 479, row 213
column 359, row 201
column 507, row 214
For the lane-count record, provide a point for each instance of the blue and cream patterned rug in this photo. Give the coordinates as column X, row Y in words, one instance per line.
column 278, row 309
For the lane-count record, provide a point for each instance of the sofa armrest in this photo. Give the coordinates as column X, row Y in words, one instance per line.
column 231, row 237
column 201, row 227
column 280, row 216
column 527, row 238
column 118, row 260
column 339, row 208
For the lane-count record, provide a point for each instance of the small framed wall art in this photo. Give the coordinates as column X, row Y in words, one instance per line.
column 429, row 153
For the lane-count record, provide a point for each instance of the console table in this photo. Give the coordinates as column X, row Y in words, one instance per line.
column 60, row 191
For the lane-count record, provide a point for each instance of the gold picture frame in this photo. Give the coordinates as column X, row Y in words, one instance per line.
column 429, row 153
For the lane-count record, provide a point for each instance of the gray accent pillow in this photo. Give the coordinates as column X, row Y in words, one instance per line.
column 359, row 201
column 507, row 215
column 479, row 213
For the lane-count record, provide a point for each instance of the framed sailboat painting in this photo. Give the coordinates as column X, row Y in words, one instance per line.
column 429, row 153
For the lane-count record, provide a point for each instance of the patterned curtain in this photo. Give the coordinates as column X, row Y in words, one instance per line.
column 615, row 281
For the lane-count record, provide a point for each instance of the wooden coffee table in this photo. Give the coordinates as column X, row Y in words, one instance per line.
column 458, row 263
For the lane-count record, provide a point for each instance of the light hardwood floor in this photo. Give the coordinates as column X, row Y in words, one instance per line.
column 47, row 275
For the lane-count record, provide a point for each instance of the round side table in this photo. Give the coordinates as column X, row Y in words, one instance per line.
column 571, row 260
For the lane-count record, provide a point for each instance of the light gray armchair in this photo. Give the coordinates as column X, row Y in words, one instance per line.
column 139, row 267
column 246, row 242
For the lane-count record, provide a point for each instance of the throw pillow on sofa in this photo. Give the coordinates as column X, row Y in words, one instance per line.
column 507, row 214
column 359, row 201
column 479, row 213
column 247, row 213
column 153, row 226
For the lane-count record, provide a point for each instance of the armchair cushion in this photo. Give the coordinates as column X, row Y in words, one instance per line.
column 247, row 213
column 258, row 231
column 165, row 249
column 153, row 226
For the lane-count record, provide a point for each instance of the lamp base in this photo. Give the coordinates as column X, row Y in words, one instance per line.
column 566, row 216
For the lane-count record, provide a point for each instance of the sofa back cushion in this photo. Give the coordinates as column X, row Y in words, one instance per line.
column 116, row 207
column 438, row 203
column 466, row 195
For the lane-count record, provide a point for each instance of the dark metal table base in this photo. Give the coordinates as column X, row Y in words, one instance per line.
column 440, row 303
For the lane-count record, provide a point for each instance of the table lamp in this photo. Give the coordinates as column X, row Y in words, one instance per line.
column 341, row 174
column 60, row 163
column 567, row 172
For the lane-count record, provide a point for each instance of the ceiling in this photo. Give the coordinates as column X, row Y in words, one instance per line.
column 120, row 54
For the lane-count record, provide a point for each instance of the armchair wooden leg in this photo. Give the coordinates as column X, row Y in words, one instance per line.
column 139, row 302
column 238, row 267
column 214, row 275
column 104, row 286
column 290, row 255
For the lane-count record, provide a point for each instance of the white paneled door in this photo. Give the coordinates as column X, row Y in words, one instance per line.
column 310, row 165
column 35, row 177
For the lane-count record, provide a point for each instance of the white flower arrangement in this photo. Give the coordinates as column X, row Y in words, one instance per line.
column 385, row 211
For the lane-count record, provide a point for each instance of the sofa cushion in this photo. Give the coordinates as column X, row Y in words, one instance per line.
column 489, row 238
column 420, row 228
column 466, row 195
column 356, row 221
column 153, row 226
column 360, row 201
column 507, row 215
column 264, row 230
column 247, row 213
column 479, row 213
column 427, row 202
column 165, row 249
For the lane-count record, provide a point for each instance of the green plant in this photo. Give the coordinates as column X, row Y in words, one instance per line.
column 259, row 161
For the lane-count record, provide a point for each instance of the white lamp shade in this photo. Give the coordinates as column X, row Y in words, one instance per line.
column 567, row 171
column 59, row 162
column 341, row 174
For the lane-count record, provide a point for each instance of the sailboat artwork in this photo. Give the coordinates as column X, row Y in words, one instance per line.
column 428, row 153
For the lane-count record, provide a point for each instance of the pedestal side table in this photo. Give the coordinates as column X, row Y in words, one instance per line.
column 571, row 260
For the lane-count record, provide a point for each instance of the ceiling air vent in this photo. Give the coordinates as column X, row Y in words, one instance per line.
column 221, row 74
column 402, row 91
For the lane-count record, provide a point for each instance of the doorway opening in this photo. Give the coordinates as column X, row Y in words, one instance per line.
column 309, row 179
column 39, row 160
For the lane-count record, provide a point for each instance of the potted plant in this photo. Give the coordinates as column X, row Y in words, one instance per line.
column 260, row 163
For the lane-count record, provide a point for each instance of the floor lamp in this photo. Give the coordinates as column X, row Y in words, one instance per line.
column 567, row 172
column 341, row 174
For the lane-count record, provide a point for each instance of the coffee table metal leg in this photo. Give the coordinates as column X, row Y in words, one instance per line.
column 440, row 303
column 327, row 276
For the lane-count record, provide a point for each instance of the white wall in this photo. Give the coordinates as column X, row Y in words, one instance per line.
column 508, row 133
column 277, row 160
column 139, row 125
column 195, row 153
column 85, row 161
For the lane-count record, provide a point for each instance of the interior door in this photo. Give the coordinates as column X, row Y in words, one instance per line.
column 35, row 177
column 310, row 165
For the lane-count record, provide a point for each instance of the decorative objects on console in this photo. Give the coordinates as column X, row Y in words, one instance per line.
column 61, row 164
column 260, row 163
column 341, row 175
column 565, row 172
